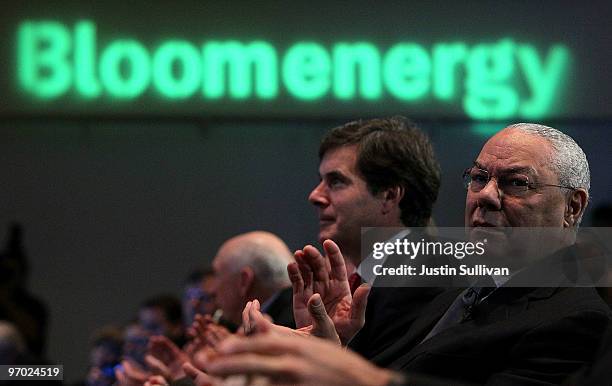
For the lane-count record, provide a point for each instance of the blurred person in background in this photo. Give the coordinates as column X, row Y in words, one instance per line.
column 198, row 295
column 14, row 351
column 163, row 315
column 254, row 266
column 12, row 345
column 105, row 355
column 27, row 312
column 135, row 341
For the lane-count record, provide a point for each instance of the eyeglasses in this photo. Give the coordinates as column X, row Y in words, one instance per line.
column 513, row 184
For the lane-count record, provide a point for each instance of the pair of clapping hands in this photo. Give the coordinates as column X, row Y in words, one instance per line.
column 322, row 302
column 167, row 362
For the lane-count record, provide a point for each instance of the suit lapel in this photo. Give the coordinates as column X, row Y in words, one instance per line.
column 423, row 324
column 504, row 304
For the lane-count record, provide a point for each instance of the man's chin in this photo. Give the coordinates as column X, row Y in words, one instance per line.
column 326, row 234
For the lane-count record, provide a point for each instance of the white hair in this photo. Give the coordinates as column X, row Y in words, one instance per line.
column 568, row 160
column 266, row 254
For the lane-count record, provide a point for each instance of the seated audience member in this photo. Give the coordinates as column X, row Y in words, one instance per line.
column 162, row 315
column 17, row 304
column 198, row 295
column 527, row 175
column 105, row 355
column 14, row 351
column 253, row 266
column 159, row 316
column 133, row 369
column 12, row 345
column 374, row 173
column 162, row 360
column 135, row 342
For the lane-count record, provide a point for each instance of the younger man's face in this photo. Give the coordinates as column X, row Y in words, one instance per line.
column 343, row 200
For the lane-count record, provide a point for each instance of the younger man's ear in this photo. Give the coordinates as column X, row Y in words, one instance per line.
column 391, row 198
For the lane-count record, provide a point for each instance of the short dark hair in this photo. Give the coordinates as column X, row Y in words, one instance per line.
column 170, row 305
column 393, row 152
column 197, row 275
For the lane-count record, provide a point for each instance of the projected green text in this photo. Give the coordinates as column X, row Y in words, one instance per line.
column 495, row 80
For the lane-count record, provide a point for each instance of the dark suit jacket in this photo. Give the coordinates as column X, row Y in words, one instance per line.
column 518, row 336
column 389, row 314
column 281, row 309
column 393, row 306
column 600, row 373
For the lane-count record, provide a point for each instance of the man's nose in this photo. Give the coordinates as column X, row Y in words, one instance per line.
column 318, row 196
column 490, row 196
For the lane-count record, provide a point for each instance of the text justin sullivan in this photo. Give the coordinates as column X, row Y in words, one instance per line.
column 443, row 270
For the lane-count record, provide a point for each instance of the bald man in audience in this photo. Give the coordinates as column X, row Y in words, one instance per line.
column 254, row 266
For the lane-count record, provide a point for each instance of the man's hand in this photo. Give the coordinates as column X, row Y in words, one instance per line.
column 95, row 377
column 326, row 275
column 158, row 367
column 291, row 360
column 199, row 377
column 254, row 322
column 202, row 379
column 165, row 358
column 156, row 380
column 130, row 374
column 208, row 332
column 313, row 273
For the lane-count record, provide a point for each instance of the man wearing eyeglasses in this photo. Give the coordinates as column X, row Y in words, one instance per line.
column 527, row 175
column 533, row 176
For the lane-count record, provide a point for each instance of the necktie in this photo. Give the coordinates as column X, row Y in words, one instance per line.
column 354, row 282
column 462, row 309
column 473, row 297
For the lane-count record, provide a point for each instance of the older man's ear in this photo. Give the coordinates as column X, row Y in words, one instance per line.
column 247, row 278
column 576, row 205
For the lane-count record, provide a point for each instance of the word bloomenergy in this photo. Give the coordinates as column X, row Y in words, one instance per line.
column 491, row 80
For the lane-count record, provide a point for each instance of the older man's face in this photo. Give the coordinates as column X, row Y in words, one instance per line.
column 226, row 285
column 512, row 154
